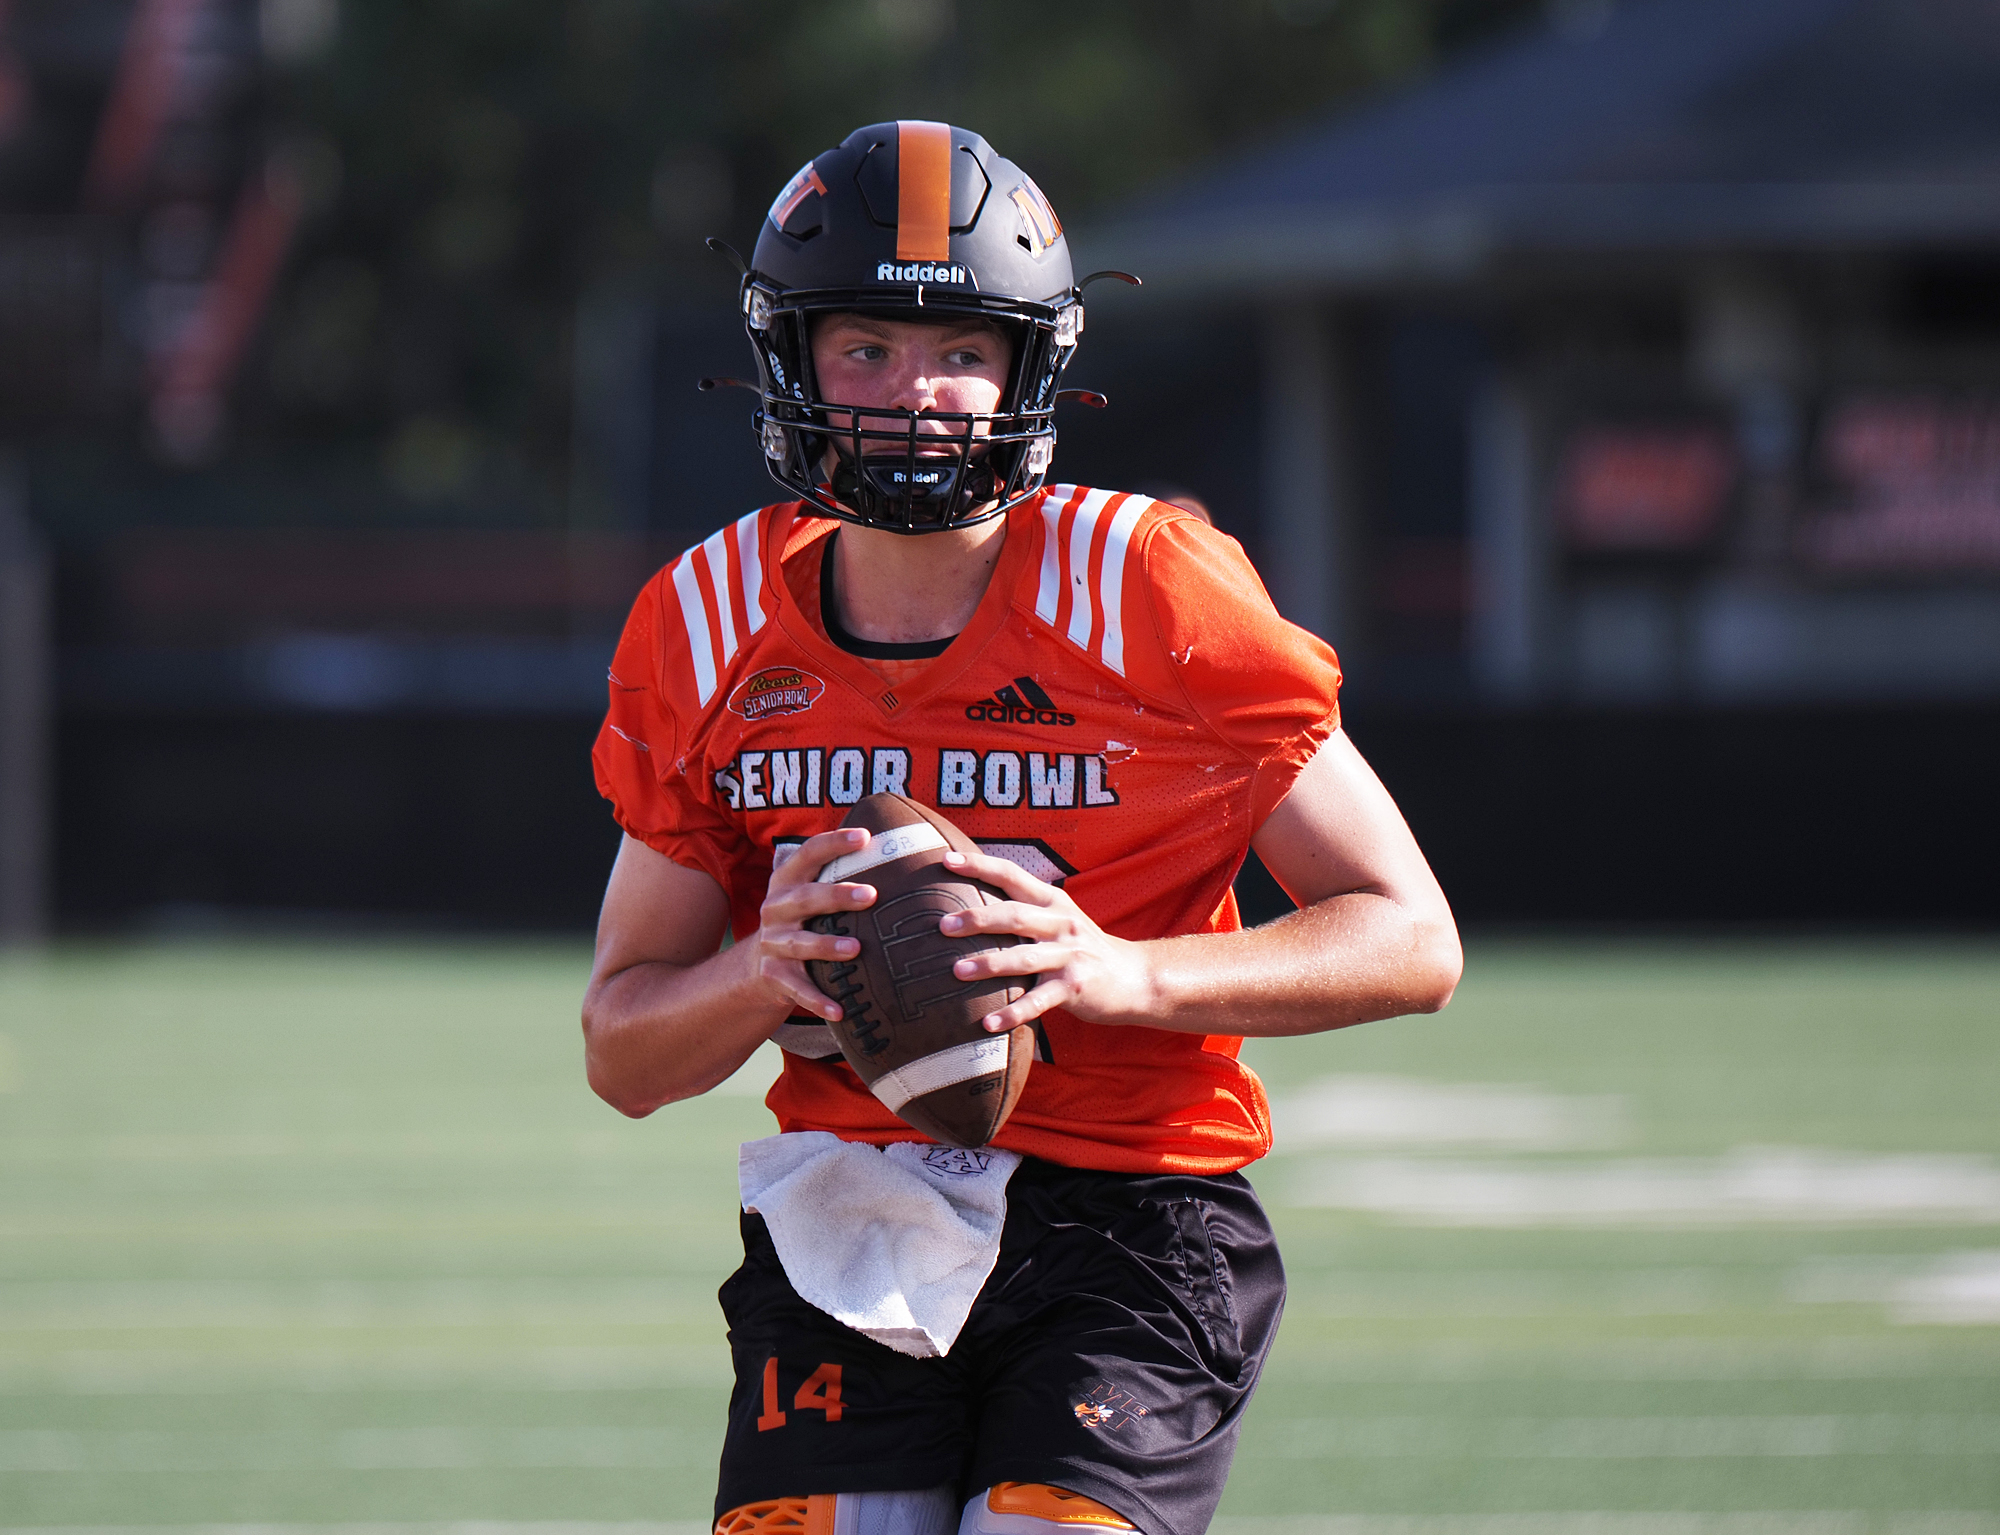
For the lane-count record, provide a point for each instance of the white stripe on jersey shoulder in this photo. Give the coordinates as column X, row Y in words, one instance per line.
column 715, row 551
column 1050, row 586
column 1111, row 583
column 750, row 550
column 1096, row 608
column 694, row 616
column 1076, row 566
column 733, row 560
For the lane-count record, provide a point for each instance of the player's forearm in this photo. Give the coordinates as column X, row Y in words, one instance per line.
column 1347, row 959
column 656, row 1033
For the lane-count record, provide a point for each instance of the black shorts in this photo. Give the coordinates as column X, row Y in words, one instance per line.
column 1111, row 1352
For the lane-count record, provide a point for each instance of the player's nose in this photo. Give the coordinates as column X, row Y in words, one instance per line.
column 917, row 392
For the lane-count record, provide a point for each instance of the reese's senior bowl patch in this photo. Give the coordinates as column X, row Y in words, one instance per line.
column 776, row 690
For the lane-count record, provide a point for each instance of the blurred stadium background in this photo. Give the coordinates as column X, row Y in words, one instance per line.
column 1616, row 384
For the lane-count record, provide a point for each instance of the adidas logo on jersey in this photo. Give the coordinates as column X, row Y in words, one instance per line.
column 1021, row 702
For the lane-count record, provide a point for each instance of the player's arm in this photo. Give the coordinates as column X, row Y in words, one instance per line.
column 1373, row 938
column 665, row 1016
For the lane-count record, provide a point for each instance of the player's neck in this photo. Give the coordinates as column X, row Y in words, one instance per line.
column 897, row 589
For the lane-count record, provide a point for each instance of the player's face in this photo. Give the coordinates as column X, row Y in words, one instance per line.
column 950, row 367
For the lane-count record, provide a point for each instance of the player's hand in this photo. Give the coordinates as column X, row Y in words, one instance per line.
column 783, row 943
column 1083, row 969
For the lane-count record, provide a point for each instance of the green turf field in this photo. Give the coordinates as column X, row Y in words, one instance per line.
column 1654, row 1239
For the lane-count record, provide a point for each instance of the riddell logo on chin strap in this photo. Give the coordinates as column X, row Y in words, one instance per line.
column 1021, row 702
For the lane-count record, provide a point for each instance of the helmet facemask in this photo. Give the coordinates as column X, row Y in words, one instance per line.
column 901, row 476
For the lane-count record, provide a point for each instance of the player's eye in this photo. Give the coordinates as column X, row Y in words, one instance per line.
column 867, row 352
column 965, row 357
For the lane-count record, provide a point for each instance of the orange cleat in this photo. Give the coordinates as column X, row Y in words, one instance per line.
column 781, row 1516
column 1038, row 1500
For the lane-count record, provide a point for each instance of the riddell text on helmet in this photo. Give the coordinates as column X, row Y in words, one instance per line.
column 922, row 271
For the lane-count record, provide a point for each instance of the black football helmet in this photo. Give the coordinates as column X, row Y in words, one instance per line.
column 911, row 221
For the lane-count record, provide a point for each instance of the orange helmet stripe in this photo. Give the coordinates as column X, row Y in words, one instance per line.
column 923, row 191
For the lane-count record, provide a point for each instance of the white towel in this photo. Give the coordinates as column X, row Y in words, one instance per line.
column 894, row 1242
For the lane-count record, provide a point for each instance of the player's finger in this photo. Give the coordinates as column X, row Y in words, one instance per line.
column 792, row 907
column 1050, row 994
column 1010, row 877
column 1019, row 959
column 816, row 852
column 1013, row 917
column 802, row 944
column 790, row 977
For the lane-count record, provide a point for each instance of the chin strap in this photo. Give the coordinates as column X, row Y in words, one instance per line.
column 872, row 488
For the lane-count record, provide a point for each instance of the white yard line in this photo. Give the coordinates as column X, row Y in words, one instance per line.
column 1867, row 1356
column 1757, row 1437
column 105, row 1452
column 1385, row 1113
column 159, row 1372
column 1952, row 1289
column 1751, row 1186
column 140, row 1304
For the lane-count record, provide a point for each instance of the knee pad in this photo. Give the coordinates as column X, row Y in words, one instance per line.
column 1035, row 1508
column 845, row 1513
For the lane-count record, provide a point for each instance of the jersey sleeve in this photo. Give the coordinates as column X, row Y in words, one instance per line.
column 1268, row 688
column 638, row 754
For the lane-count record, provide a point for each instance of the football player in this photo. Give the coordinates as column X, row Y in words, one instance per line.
column 1096, row 687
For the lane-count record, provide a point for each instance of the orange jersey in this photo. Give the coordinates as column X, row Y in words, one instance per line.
column 1120, row 715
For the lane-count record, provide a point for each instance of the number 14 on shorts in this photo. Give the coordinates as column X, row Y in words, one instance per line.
column 820, row 1393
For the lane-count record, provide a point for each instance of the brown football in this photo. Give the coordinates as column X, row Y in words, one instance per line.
column 908, row 1026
